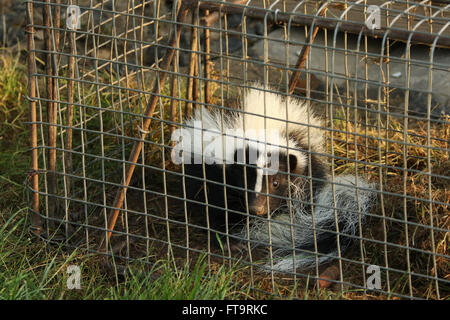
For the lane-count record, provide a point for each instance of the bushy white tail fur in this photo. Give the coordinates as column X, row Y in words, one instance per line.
column 352, row 204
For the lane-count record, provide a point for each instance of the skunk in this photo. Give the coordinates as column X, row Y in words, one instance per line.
column 245, row 163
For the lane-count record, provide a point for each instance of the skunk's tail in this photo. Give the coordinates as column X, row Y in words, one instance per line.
column 352, row 205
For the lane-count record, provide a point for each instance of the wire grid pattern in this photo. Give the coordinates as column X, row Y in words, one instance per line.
column 104, row 100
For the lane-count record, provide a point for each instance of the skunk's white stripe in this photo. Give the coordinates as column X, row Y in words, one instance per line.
column 260, row 163
column 259, row 176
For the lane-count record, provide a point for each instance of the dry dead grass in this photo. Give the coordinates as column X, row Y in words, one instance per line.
column 401, row 171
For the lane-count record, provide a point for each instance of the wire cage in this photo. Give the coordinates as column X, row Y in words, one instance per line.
column 110, row 82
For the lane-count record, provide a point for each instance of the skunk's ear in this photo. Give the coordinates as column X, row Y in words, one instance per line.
column 292, row 163
column 297, row 161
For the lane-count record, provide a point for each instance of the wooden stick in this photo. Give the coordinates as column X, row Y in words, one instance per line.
column 69, row 111
column 207, row 62
column 173, row 102
column 196, row 84
column 174, row 89
column 51, row 115
column 304, row 53
column 118, row 202
column 36, row 218
column 192, row 64
column 57, row 24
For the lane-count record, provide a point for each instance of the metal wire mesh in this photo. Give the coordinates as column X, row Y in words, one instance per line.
column 106, row 97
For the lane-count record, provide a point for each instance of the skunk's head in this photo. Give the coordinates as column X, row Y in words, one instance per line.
column 270, row 190
column 268, row 178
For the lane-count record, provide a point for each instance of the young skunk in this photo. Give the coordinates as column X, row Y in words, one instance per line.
column 267, row 151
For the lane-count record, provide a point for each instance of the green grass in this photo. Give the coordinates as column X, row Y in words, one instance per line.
column 168, row 282
column 29, row 269
column 14, row 160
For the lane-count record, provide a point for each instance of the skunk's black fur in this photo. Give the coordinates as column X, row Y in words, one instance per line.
column 216, row 194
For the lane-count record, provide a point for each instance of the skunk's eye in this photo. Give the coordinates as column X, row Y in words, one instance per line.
column 275, row 183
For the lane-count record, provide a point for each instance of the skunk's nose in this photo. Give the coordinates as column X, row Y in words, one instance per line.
column 258, row 210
